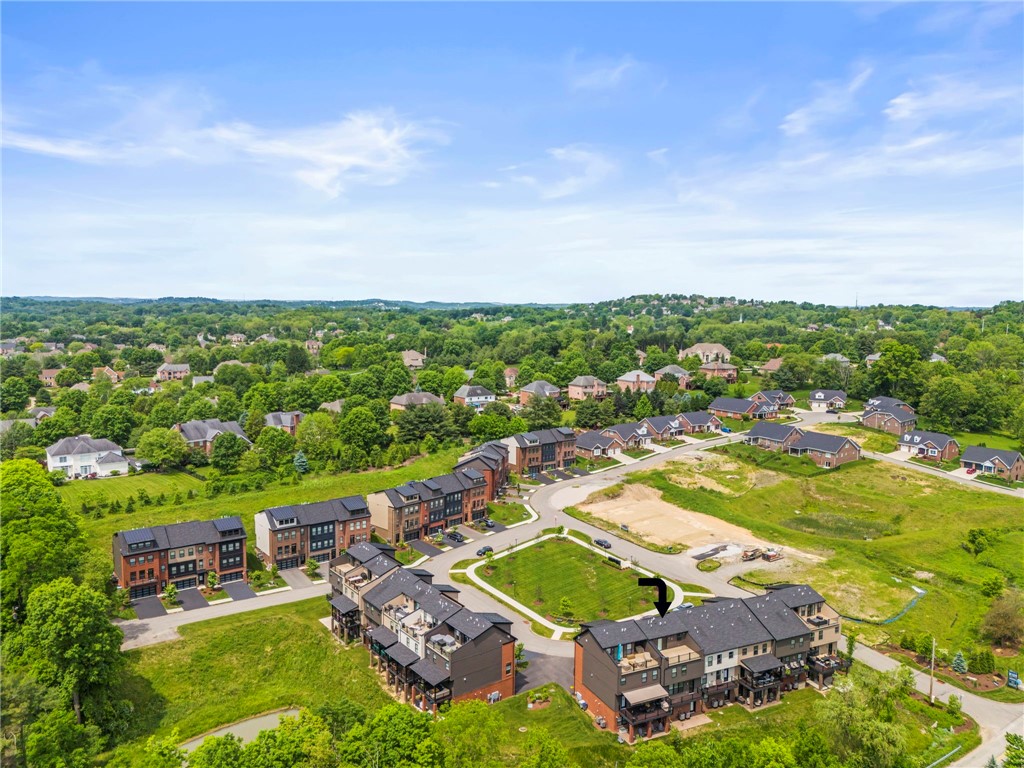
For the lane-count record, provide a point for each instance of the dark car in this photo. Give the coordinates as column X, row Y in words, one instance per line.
column 603, row 543
column 484, row 550
column 831, row 410
column 456, row 536
column 488, row 523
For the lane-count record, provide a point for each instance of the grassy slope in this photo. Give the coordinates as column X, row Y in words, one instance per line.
column 224, row 670
column 874, row 440
column 582, row 576
column 120, row 488
column 875, row 522
column 314, row 488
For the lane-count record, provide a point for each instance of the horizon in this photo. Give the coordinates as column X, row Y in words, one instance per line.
column 535, row 154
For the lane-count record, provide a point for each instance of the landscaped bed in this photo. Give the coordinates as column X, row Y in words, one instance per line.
column 541, row 575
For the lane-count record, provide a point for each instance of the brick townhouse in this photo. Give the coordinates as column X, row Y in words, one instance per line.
column 147, row 560
column 288, row 536
column 530, row 453
column 637, row 675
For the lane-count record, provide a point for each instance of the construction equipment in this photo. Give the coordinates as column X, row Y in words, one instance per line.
column 751, row 554
column 771, row 555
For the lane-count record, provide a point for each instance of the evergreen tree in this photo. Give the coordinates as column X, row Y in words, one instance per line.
column 643, row 408
column 300, row 462
column 959, row 663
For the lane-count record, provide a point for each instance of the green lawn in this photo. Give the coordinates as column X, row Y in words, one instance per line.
column 228, row 669
column 507, row 514
column 880, row 529
column 736, row 425
column 94, row 492
column 638, row 453
column 245, row 505
column 599, row 463
column 999, row 440
column 996, row 480
column 597, row 590
column 946, row 466
column 874, row 440
column 799, row 466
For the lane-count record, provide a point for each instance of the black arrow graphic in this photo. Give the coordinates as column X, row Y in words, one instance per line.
column 662, row 603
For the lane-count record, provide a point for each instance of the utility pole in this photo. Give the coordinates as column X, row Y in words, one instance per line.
column 931, row 681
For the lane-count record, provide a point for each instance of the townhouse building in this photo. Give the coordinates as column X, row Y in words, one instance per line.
column 290, row 535
column 352, row 574
column 490, row 460
column 428, row 648
column 827, row 451
column 530, row 453
column 540, row 388
column 931, row 446
column 287, row 421
column 86, row 456
column 772, row 437
column 583, row 387
column 637, row 675
column 148, row 560
column 200, row 433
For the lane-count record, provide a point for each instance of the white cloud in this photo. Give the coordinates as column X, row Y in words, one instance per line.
column 372, row 147
column 575, row 168
column 945, row 97
column 659, row 156
column 601, row 75
column 834, row 99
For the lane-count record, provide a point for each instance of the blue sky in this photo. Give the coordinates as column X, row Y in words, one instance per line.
column 514, row 152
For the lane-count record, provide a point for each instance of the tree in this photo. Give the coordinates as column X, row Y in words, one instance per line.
column 542, row 412
column 396, row 736
column 315, row 436
column 1014, row 751
column 171, row 594
column 14, row 394
column 57, row 739
column 654, row 754
column 41, row 537
column 212, row 580
column 72, row 643
column 227, row 451
column 359, row 427
column 164, row 447
column 416, row 423
column 340, row 715
column 588, row 414
column 565, row 607
column 960, row 663
column 17, row 437
column 643, row 409
column 218, row 752
column 274, row 446
column 543, row 751
column 954, row 705
column 993, row 585
column 114, row 422
column 300, row 463
column 898, row 370
column 486, row 427
column 67, row 377
column 520, row 654
column 297, row 359
column 312, row 568
column 1004, row 622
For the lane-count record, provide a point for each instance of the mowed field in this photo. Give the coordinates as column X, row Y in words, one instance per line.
column 245, row 505
column 539, row 576
column 879, row 528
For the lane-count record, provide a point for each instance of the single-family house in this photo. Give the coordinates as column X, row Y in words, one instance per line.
column 173, row 371
column 633, row 436
column 334, row 406
column 936, row 358
column 583, row 387
column 772, row 366
column 540, row 388
column 873, row 358
column 597, row 445
column 707, row 353
column 827, row 451
column 412, row 399
column 473, row 395
column 510, row 377
column 86, row 456
column 835, row 357
column 827, row 399
column 772, row 436
column 200, row 433
column 636, row 381
column 1006, row 464
column 197, row 380
column 883, row 403
column 931, row 446
column 235, row 339
column 891, row 419
column 699, row 421
column 313, row 346
column 726, row 371
column 665, row 427
column 49, row 376
column 737, row 408
column 110, row 373
column 413, row 359
column 777, row 396
column 681, row 375
column 287, row 421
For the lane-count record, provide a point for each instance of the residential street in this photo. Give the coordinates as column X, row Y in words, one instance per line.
column 547, row 501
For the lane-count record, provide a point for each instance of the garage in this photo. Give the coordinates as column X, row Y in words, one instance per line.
column 236, row 576
column 290, row 562
column 187, row 583
column 147, row 590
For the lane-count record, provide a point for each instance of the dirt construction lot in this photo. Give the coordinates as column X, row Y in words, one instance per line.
column 643, row 510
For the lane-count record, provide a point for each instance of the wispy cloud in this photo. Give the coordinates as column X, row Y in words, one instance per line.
column 659, row 156
column 946, row 97
column 834, row 99
column 598, row 75
column 371, row 147
column 574, row 169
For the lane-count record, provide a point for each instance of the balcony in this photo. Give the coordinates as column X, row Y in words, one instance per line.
column 760, row 682
column 679, row 655
column 683, row 697
column 821, row 621
column 637, row 662
column 645, row 713
column 717, row 689
column 444, row 645
column 827, row 665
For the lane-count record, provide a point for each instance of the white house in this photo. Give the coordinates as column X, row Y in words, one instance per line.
column 825, row 399
column 474, row 396
column 84, row 455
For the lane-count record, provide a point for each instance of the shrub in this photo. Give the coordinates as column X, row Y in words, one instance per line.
column 959, row 663
column 983, row 662
column 955, row 705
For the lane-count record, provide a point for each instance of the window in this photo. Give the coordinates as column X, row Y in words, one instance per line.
column 710, row 661
column 732, row 654
column 131, row 561
column 674, row 671
column 764, row 648
column 508, row 669
column 622, row 681
column 755, row 650
column 654, row 675
column 172, row 554
column 821, row 634
column 181, row 553
column 744, row 651
column 200, row 549
column 643, row 677
column 718, row 659
column 279, row 537
column 149, row 559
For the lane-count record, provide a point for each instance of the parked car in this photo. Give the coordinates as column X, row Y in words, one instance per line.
column 726, row 430
column 831, row 410
column 488, row 523
column 456, row 536
column 603, row 543
column 683, row 606
column 972, row 470
column 484, row 550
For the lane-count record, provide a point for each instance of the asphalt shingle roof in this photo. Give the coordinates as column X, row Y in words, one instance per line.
column 922, row 437
column 819, row 441
column 771, row 431
column 977, row 454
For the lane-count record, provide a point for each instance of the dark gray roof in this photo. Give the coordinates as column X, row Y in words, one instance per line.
column 765, row 662
column 179, row 535
column 902, row 416
column 883, row 403
column 675, row 370
column 777, row 617
column 205, row 430
column 819, row 441
column 590, row 440
column 314, row 512
column 542, row 388
column 921, row 437
column 372, row 558
column 111, row 458
column 73, row 446
column 661, row 423
column 585, row 381
column 138, row 536
column 697, row 418
column 774, row 394
column 731, row 404
column 798, row 595
column 636, row 375
column 609, row 634
column 282, row 418
column 402, row 655
column 473, row 390
column 771, row 431
column 544, row 436
column 724, row 625
column 433, row 674
column 384, row 636
column 415, row 398
column 826, row 395
column 497, row 618
column 979, row 455
column 402, row 582
column 343, row 604
column 671, row 623
column 228, row 524
column 626, row 431
column 471, row 624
